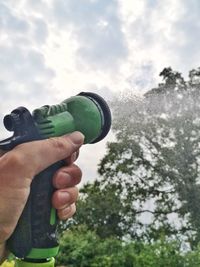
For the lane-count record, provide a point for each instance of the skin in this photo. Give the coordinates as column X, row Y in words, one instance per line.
column 17, row 170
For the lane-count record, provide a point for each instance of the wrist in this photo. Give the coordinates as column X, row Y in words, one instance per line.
column 3, row 252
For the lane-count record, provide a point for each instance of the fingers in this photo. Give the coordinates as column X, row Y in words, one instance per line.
column 68, row 176
column 65, row 197
column 64, row 201
column 72, row 158
column 67, row 212
column 38, row 155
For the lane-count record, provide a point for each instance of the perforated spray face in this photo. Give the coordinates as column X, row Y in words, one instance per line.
column 104, row 111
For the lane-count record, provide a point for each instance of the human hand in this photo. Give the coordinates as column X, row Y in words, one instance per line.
column 20, row 165
column 65, row 181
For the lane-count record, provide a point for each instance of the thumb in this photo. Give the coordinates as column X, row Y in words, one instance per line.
column 38, row 155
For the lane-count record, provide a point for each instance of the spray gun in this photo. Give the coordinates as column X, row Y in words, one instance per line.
column 34, row 241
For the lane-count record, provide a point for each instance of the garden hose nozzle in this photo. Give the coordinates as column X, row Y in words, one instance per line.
column 34, row 239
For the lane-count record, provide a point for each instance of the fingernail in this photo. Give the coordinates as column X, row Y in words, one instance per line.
column 64, row 196
column 64, row 179
column 77, row 138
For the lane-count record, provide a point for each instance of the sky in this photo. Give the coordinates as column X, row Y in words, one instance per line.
column 53, row 49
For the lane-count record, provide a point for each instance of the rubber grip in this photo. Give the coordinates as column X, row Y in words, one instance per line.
column 36, row 228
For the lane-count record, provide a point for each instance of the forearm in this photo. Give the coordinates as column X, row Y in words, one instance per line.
column 3, row 253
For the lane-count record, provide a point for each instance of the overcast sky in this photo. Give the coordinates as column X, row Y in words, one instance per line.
column 53, row 49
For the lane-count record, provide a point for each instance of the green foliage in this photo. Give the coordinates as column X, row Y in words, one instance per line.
column 149, row 178
column 102, row 210
column 156, row 158
column 83, row 248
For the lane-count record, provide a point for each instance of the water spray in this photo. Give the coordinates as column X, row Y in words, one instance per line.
column 34, row 241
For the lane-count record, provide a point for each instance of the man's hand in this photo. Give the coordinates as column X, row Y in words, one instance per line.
column 20, row 165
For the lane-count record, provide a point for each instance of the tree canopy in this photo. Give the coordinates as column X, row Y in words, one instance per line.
column 149, row 181
column 83, row 247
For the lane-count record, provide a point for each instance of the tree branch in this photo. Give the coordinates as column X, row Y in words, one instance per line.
column 157, row 212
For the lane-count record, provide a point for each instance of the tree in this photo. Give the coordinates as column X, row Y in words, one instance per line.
column 83, row 247
column 156, row 156
column 101, row 209
column 149, row 182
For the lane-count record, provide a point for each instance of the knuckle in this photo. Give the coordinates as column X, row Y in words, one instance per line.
column 60, row 144
column 56, row 142
column 15, row 158
column 74, row 194
column 79, row 172
column 77, row 169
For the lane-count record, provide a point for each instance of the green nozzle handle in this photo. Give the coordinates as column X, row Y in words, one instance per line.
column 35, row 235
column 86, row 112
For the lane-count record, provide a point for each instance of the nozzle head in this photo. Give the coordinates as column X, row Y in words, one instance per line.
column 104, row 111
column 86, row 112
